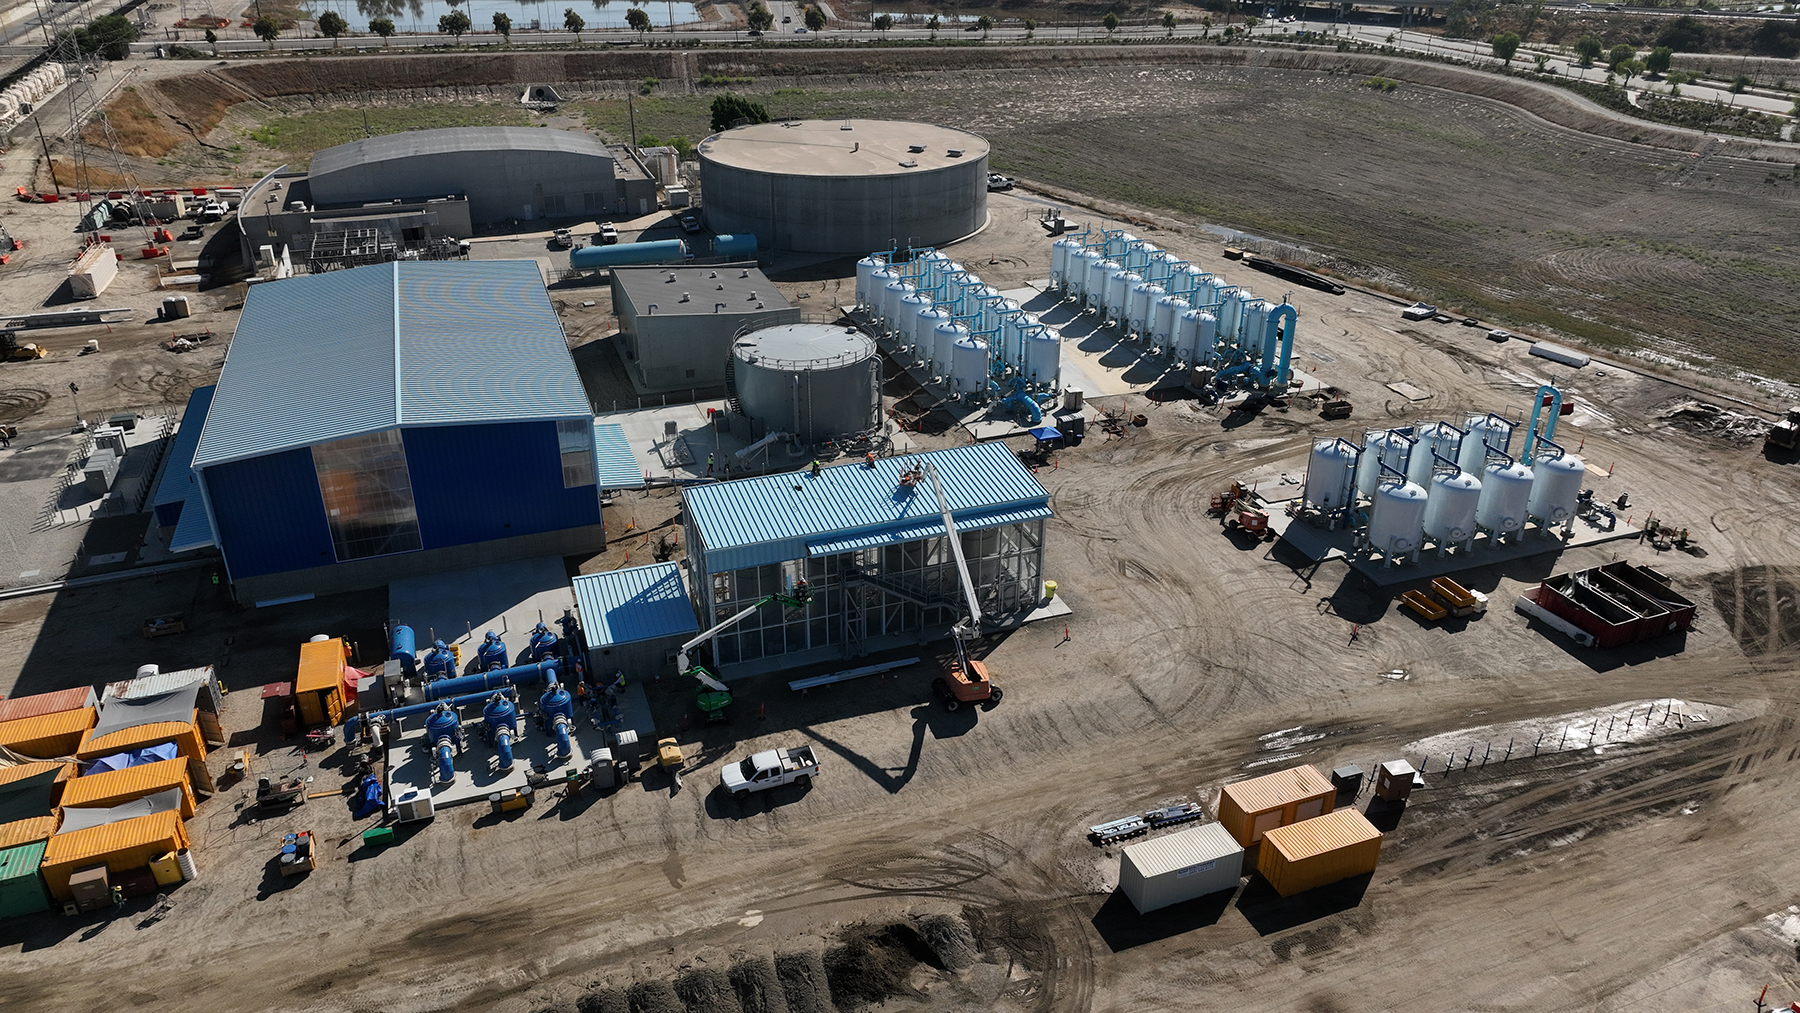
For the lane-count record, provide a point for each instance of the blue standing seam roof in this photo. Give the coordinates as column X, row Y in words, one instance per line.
column 325, row 357
column 194, row 530
column 773, row 518
column 924, row 529
column 177, row 481
column 635, row 604
column 615, row 466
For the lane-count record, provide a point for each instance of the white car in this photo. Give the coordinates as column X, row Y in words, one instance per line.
column 769, row 769
column 213, row 212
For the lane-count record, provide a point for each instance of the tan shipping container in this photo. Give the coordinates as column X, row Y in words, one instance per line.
column 48, row 736
column 117, row 787
column 1324, row 849
column 319, row 683
column 31, row 831
column 123, row 846
column 1250, row 809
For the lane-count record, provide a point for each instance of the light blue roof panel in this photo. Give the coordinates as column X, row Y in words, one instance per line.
column 323, row 357
column 479, row 342
column 923, row 529
column 615, row 466
column 178, row 475
column 634, row 604
column 194, row 530
column 756, row 521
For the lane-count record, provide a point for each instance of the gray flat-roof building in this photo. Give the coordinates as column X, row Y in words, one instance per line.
column 676, row 324
column 505, row 172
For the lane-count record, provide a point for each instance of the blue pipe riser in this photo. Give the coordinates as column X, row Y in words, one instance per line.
column 564, row 749
column 466, row 700
column 446, row 765
column 503, row 746
column 520, row 675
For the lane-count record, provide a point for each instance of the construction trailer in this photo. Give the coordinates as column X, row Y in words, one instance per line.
column 1319, row 851
column 1181, row 866
column 1250, row 809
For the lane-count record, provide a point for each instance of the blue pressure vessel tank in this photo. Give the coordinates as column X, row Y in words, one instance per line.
column 401, row 650
column 500, row 719
column 440, row 663
column 663, row 251
column 492, row 653
column 543, row 645
column 741, row 245
column 556, row 716
column 443, row 730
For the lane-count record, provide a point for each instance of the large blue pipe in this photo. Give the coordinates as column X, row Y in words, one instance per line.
column 446, row 765
column 503, row 746
column 1532, row 438
column 518, row 675
column 1275, row 371
column 468, row 699
column 590, row 258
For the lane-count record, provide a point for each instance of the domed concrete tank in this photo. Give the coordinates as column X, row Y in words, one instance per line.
column 1450, row 511
column 1505, row 495
column 1396, row 518
column 813, row 380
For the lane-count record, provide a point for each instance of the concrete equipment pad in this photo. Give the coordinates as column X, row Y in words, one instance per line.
column 459, row 607
column 411, row 763
column 681, row 457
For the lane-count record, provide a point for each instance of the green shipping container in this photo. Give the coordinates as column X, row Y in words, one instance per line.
column 21, row 888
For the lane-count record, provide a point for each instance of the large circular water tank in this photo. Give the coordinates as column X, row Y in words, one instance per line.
column 845, row 186
column 1118, row 292
column 1162, row 319
column 813, row 380
column 1382, row 448
column 1450, row 512
column 1505, row 496
column 907, row 324
column 1043, row 355
column 943, row 345
column 925, row 331
column 1094, row 292
column 865, row 268
column 1438, row 438
column 1472, row 457
column 1555, row 489
column 1396, row 518
column 969, row 365
column 1328, row 470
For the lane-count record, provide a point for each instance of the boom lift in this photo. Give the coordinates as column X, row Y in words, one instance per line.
column 965, row 679
column 713, row 697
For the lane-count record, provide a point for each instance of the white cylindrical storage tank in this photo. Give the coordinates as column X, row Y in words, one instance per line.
column 1231, row 325
column 1043, row 355
column 879, row 279
column 1138, row 303
column 1382, row 447
column 865, row 269
column 1118, row 293
column 1117, row 245
column 988, row 305
column 1187, row 336
column 894, row 295
column 908, row 326
column 1397, row 517
column 1253, row 323
column 1081, row 268
column 1450, row 511
column 1161, row 266
column 1497, row 431
column 814, row 380
column 1555, row 489
column 1162, row 320
column 1137, row 256
column 1505, row 497
column 1062, row 253
column 1436, row 437
column 1094, row 295
column 1207, row 340
column 934, row 264
column 1011, row 350
column 1187, row 281
column 1328, row 475
column 969, row 365
column 925, row 325
column 943, row 344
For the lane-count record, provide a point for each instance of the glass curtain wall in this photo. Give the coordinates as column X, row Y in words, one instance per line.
column 368, row 495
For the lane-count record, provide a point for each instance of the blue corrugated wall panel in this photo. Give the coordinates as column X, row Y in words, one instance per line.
column 478, row 483
column 270, row 517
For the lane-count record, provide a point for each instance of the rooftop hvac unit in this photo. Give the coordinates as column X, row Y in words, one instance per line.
column 916, row 149
column 415, row 805
column 956, row 152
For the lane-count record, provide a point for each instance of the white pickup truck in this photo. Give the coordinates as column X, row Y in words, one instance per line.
column 768, row 769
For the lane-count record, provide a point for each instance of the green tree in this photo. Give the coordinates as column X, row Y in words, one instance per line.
column 109, row 35
column 212, row 39
column 267, row 29
column 1205, row 25
column 1588, row 49
column 1030, row 28
column 573, row 22
column 455, row 23
column 1685, row 35
column 684, row 148
column 1110, row 22
column 1169, row 22
column 986, row 24
column 884, row 22
column 1659, row 59
column 637, row 20
column 383, row 27
column 1543, row 62
column 728, row 109
column 815, row 19
column 933, row 25
column 332, row 25
column 1506, row 46
column 1250, row 22
column 503, row 25
column 759, row 17
column 1740, row 84
column 1629, row 69
column 1619, row 54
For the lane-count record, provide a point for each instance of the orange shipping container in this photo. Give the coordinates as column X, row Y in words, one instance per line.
column 1325, row 849
column 47, row 703
column 1250, row 809
column 319, row 685
column 48, row 735
column 31, row 831
column 185, row 735
column 25, row 771
column 123, row 846
column 116, row 787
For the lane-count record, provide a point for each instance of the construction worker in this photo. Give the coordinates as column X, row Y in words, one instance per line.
column 869, row 460
column 816, row 469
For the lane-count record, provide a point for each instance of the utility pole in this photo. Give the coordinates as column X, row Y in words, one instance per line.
column 631, row 112
column 75, row 394
column 36, row 120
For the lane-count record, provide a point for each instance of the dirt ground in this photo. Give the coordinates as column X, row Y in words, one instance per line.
column 940, row 862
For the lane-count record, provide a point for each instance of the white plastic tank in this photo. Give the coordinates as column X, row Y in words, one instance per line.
column 943, row 346
column 1328, row 475
column 879, row 279
column 1062, row 252
column 925, row 325
column 1097, row 273
column 865, row 269
column 1450, row 511
column 893, row 298
column 1043, row 355
column 1396, row 518
column 1494, row 430
column 1162, row 320
column 1433, row 437
column 1138, row 303
column 1555, row 489
column 969, row 365
column 908, row 324
column 1187, row 336
column 1383, row 447
column 1207, row 340
column 1505, row 497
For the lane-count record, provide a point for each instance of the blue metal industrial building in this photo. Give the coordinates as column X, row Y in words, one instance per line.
column 634, row 619
column 397, row 420
column 871, row 549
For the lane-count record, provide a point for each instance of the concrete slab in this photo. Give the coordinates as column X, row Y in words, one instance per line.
column 459, row 607
column 682, row 456
column 478, row 775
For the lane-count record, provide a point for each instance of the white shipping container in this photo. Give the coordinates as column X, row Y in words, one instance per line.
column 1187, row 864
column 93, row 272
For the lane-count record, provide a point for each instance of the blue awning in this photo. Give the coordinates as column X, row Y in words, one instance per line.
column 194, row 530
column 933, row 528
column 615, row 466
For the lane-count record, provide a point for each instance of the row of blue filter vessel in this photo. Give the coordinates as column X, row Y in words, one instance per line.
column 440, row 661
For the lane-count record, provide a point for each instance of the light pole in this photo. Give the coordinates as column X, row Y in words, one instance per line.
column 75, row 395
